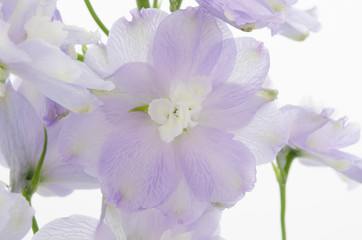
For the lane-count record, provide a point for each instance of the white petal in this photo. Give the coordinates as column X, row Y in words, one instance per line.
column 15, row 215
column 75, row 227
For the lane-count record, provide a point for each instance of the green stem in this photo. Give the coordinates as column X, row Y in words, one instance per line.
column 31, row 188
column 155, row 4
column 284, row 161
column 143, row 4
column 95, row 17
column 282, row 211
column 175, row 5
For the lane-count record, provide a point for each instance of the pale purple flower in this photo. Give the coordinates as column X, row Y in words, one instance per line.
column 318, row 139
column 196, row 88
column 279, row 15
column 29, row 48
column 21, row 143
column 142, row 225
column 15, row 215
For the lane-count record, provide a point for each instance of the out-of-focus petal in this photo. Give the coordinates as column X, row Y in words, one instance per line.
column 53, row 63
column 266, row 134
column 252, row 64
column 299, row 23
column 21, row 138
column 75, row 227
column 15, row 215
column 302, row 122
column 97, row 59
column 9, row 52
column 182, row 206
column 334, row 134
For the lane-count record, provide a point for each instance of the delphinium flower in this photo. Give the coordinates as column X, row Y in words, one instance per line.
column 15, row 215
column 279, row 15
column 317, row 139
column 148, row 224
column 21, row 143
column 186, row 93
column 30, row 48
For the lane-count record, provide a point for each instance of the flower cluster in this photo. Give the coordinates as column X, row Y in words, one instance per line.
column 169, row 118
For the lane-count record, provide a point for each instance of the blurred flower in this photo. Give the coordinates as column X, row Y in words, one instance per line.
column 30, row 52
column 318, row 139
column 143, row 225
column 21, row 143
column 279, row 15
column 15, row 215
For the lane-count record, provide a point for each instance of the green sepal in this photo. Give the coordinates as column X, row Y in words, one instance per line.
column 143, row 108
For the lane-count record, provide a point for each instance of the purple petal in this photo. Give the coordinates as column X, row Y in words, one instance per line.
column 301, row 123
column 137, row 170
column 131, row 41
column 187, row 44
column 345, row 163
column 265, row 135
column 140, row 82
column 333, row 135
column 251, row 66
column 182, row 206
column 216, row 167
column 21, row 138
column 229, row 107
column 82, row 137
column 9, row 52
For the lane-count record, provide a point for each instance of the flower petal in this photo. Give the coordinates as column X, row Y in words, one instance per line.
column 333, row 135
column 15, row 215
column 53, row 63
column 9, row 52
column 229, row 107
column 131, row 41
column 75, row 227
column 251, row 66
column 140, row 82
column 137, row 170
column 216, row 167
column 182, row 206
column 265, row 135
column 187, row 44
column 21, row 138
column 302, row 122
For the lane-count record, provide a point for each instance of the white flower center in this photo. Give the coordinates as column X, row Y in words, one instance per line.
column 181, row 110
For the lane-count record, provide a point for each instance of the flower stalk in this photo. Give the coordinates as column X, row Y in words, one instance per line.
column 143, row 4
column 284, row 160
column 31, row 188
column 175, row 5
column 95, row 17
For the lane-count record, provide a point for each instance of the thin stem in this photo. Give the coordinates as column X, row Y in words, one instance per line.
column 282, row 210
column 284, row 161
column 175, row 5
column 31, row 188
column 143, row 4
column 95, row 17
column 155, row 4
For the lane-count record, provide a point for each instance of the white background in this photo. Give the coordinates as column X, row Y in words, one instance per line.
column 325, row 70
